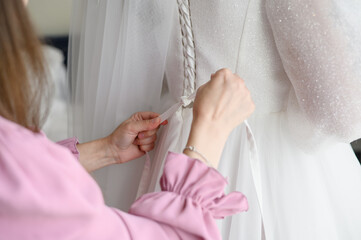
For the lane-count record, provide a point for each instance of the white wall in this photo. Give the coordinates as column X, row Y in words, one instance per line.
column 51, row 17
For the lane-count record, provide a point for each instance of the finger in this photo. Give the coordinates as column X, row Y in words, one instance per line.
column 223, row 72
column 147, row 134
column 148, row 115
column 145, row 125
column 146, row 141
column 146, row 148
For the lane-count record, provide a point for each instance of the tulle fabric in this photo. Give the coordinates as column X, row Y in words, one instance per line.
column 117, row 60
column 115, row 47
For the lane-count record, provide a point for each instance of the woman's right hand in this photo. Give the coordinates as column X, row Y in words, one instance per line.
column 220, row 105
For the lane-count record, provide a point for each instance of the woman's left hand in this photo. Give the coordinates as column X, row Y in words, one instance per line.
column 135, row 136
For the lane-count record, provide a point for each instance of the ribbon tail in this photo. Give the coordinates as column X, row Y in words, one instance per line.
column 167, row 114
column 256, row 171
column 143, row 185
column 144, row 181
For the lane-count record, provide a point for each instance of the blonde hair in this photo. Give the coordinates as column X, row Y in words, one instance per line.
column 22, row 70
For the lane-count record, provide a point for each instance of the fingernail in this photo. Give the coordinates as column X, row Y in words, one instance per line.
column 164, row 123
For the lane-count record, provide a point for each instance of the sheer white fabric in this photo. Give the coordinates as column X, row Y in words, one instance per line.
column 319, row 43
column 300, row 60
column 117, row 59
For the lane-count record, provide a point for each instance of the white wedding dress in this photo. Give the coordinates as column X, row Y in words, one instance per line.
column 301, row 61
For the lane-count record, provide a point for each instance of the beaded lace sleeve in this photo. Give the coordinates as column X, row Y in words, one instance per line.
column 320, row 46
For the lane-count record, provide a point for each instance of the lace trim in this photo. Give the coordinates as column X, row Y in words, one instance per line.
column 188, row 47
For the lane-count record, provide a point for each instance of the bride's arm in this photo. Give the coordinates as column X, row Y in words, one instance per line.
column 319, row 44
column 219, row 107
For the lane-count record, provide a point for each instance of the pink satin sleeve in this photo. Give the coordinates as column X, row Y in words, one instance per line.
column 70, row 144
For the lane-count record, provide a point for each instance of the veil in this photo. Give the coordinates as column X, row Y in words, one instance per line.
column 117, row 54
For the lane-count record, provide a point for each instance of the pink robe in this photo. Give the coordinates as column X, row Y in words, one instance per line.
column 46, row 194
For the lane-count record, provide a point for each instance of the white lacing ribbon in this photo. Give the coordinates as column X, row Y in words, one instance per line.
column 184, row 101
column 255, row 165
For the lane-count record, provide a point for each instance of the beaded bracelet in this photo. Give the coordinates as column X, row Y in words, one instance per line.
column 193, row 149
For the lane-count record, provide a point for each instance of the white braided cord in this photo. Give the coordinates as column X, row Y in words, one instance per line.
column 188, row 47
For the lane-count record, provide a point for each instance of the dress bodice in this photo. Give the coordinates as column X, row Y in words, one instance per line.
column 236, row 35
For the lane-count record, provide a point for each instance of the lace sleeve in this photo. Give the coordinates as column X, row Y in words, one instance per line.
column 320, row 46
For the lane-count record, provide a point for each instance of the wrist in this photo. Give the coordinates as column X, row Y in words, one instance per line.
column 208, row 139
column 209, row 130
column 96, row 154
column 112, row 149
